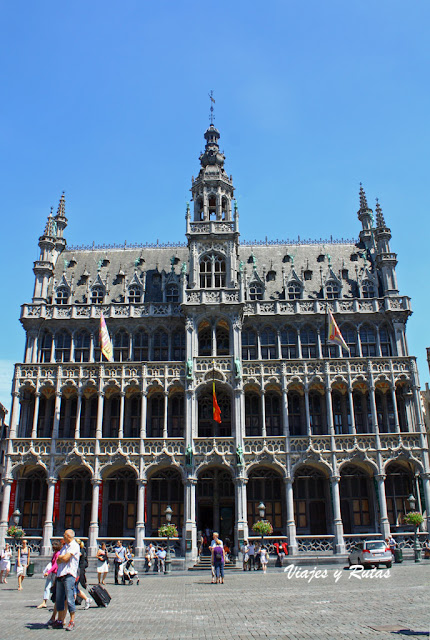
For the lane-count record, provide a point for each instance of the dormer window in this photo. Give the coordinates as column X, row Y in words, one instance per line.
column 332, row 291
column 172, row 293
column 307, row 274
column 271, row 276
column 61, row 295
column 255, row 292
column 97, row 294
column 135, row 294
column 368, row 289
column 212, row 272
column 294, row 291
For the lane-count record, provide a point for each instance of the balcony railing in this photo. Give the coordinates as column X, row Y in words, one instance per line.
column 77, row 311
column 344, row 306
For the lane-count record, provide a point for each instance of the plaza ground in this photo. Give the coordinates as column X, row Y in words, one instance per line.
column 279, row 605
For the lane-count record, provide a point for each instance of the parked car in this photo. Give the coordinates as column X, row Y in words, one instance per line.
column 371, row 553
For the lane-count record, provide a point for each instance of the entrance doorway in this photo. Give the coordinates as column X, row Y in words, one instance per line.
column 115, row 520
column 215, row 503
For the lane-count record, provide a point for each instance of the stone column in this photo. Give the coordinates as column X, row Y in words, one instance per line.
column 339, row 543
column 49, row 525
column 121, row 414
column 329, row 410
column 190, row 533
column 351, row 410
column 57, row 408
column 285, row 411
column 241, row 525
column 166, row 404
column 384, row 522
column 93, row 532
column 144, row 401
column 100, row 403
column 35, row 415
column 78, row 416
column 396, row 413
column 263, row 414
column 140, row 520
column 14, row 417
column 308, row 413
column 291, row 524
column 7, row 486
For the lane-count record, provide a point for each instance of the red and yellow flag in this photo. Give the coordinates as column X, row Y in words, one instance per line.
column 105, row 341
column 334, row 334
column 216, row 409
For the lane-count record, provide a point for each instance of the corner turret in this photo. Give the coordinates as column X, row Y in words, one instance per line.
column 365, row 215
column 386, row 261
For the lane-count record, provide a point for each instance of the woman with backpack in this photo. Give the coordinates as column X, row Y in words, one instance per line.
column 218, row 561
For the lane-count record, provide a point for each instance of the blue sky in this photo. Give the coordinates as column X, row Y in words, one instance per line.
column 109, row 101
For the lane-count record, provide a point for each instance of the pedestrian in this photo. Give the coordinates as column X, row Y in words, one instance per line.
column 5, row 558
column 218, row 561
column 68, row 567
column 50, row 573
column 245, row 554
column 251, row 556
column 216, row 540
column 22, row 563
column 82, row 578
column 257, row 557
column 264, row 558
column 281, row 550
column 149, row 557
column 119, row 560
column 390, row 542
column 426, row 549
column 161, row 555
column 102, row 563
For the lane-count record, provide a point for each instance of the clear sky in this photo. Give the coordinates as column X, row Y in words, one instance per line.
column 109, row 102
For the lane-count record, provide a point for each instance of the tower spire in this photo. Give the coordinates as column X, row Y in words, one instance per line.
column 380, row 221
column 363, row 199
column 211, row 116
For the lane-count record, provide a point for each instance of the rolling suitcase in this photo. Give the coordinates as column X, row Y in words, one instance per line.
column 100, row 595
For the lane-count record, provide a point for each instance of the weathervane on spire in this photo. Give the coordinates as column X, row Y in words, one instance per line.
column 212, row 117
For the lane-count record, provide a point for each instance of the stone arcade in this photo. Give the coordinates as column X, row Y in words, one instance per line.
column 333, row 443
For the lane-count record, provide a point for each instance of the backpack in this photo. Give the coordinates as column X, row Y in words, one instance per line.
column 218, row 553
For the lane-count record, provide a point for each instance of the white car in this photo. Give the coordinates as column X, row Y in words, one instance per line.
column 371, row 553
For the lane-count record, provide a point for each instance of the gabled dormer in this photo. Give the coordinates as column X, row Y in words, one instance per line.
column 293, row 285
column 332, row 286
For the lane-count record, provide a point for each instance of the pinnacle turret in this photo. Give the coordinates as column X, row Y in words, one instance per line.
column 51, row 226
column 380, row 221
column 363, row 199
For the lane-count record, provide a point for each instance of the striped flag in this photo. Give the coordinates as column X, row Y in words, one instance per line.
column 105, row 341
column 216, row 409
column 334, row 334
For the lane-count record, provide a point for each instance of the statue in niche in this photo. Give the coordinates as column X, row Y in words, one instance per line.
column 189, row 456
column 239, row 456
column 189, row 369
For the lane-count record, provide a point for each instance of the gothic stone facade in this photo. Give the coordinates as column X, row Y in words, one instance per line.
column 332, row 442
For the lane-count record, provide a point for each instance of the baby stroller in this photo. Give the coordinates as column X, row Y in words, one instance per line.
column 130, row 572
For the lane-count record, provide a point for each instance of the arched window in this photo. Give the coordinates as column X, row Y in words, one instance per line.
column 212, row 206
column 294, row 291
column 207, row 427
column 332, row 290
column 252, row 414
column 224, row 207
column 272, row 402
column 77, row 494
column 354, row 499
column 62, row 295
column 63, row 343
column 222, row 340
column 368, row 341
column 289, row 344
column 132, row 416
column 316, row 415
column 140, row 346
column 368, row 289
column 268, row 344
column 135, row 294
column 249, row 344
column 308, row 341
column 82, row 346
column 121, row 500
column 68, row 410
column 212, row 272
column 97, row 294
column 33, row 491
column 401, row 398
column 88, row 422
column 398, row 487
column 121, row 346
column 295, row 421
column 350, row 336
column 176, row 416
column 26, row 414
column 111, row 416
column 310, row 493
column 46, row 346
column 172, row 293
column 265, row 485
column 178, row 345
column 160, row 346
column 166, row 488
column 362, row 412
column 385, row 342
column 156, row 416
column 205, row 339
column 255, row 292
column 329, row 350
column 45, row 418
column 341, row 415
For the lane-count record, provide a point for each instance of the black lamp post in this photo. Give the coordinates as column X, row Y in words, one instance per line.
column 16, row 517
column 168, row 514
column 417, row 549
column 262, row 512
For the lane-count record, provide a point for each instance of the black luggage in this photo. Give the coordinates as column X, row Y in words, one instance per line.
column 100, row 595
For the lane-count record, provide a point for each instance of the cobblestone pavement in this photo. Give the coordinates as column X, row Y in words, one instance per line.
column 278, row 605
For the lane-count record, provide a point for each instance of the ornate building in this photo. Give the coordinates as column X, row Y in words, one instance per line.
column 332, row 443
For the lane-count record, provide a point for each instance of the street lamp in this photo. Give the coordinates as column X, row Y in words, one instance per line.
column 417, row 549
column 16, row 517
column 262, row 512
column 168, row 513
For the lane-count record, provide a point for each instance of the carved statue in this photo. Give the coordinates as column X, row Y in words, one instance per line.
column 239, row 457
column 184, row 268
column 189, row 456
column 241, row 266
column 238, row 368
column 189, row 369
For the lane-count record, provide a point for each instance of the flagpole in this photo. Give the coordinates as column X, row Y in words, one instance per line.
column 213, row 389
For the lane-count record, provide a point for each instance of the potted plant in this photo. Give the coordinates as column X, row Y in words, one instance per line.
column 168, row 531
column 263, row 528
column 15, row 532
